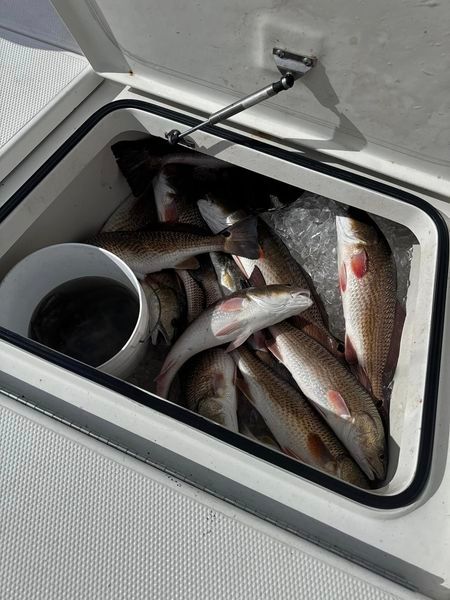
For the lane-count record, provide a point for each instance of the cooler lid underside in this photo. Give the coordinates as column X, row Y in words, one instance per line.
column 377, row 98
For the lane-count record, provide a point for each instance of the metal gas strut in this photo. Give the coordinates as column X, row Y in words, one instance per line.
column 291, row 66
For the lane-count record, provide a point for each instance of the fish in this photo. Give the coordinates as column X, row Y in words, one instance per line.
column 132, row 214
column 206, row 277
column 210, row 387
column 252, row 425
column 296, row 426
column 154, row 308
column 274, row 265
column 171, row 203
column 140, row 160
column 231, row 320
column 277, row 265
column 229, row 277
column 217, row 214
column 172, row 304
column 373, row 316
column 270, row 360
column 195, row 296
column 163, row 248
column 336, row 394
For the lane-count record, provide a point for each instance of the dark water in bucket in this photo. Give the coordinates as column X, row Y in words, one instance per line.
column 90, row 319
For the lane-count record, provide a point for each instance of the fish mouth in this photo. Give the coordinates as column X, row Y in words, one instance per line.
column 373, row 468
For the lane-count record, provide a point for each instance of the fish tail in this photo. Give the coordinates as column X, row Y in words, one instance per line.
column 242, row 239
column 139, row 160
column 165, row 377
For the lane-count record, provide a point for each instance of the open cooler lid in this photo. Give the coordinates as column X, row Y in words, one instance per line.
column 378, row 96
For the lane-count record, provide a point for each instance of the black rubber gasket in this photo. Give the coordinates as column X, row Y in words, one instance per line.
column 425, row 455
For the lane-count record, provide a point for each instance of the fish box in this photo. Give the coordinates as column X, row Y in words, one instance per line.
column 70, row 196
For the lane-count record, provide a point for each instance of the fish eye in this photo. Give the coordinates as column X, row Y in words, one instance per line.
column 226, row 234
column 381, row 456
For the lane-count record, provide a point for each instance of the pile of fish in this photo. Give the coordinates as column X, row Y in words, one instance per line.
column 237, row 321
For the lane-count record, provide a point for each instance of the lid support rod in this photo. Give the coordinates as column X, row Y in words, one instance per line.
column 285, row 83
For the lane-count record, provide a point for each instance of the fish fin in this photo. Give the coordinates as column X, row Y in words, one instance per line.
column 171, row 211
column 242, row 239
column 230, row 328
column 188, row 263
column 291, row 453
column 261, row 256
column 218, row 381
column 154, row 336
column 139, row 161
column 232, row 304
column 360, row 373
column 340, row 408
column 236, row 343
column 274, row 349
column 360, row 263
column 235, row 375
column 167, row 365
column 319, row 450
column 342, row 277
column 243, row 387
column 256, row 279
column 241, row 267
column 350, row 353
column 258, row 341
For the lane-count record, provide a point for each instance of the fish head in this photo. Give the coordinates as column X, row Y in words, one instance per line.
column 284, row 300
column 368, row 444
column 356, row 232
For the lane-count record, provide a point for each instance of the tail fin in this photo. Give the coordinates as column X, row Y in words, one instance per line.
column 139, row 160
column 165, row 377
column 242, row 239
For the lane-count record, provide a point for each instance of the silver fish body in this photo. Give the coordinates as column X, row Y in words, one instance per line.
column 232, row 319
column 338, row 396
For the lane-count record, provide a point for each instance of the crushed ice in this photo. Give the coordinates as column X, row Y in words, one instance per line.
column 308, row 228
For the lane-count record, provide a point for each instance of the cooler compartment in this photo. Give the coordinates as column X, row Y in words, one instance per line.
column 71, row 196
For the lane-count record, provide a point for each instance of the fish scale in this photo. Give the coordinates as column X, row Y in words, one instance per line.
column 154, row 250
column 210, row 389
column 369, row 299
column 295, row 425
column 334, row 391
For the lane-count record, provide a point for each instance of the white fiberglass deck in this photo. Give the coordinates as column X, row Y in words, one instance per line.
column 79, row 519
column 42, row 73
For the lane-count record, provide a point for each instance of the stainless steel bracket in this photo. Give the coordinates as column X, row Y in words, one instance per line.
column 291, row 66
column 296, row 65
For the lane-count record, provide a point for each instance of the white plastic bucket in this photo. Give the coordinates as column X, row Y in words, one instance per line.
column 40, row 273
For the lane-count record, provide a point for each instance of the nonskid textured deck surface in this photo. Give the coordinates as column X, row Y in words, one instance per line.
column 77, row 523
